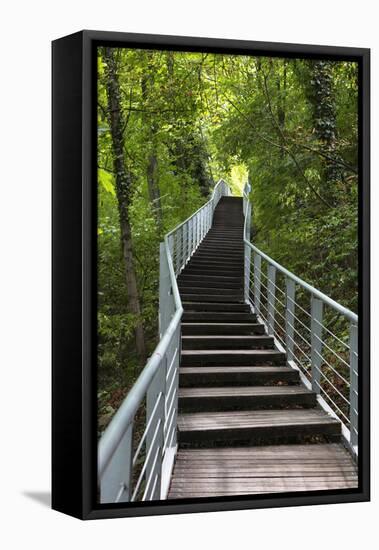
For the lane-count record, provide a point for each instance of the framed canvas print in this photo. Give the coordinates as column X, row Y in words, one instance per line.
column 210, row 274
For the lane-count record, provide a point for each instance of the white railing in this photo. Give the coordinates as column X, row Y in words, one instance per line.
column 137, row 466
column 319, row 336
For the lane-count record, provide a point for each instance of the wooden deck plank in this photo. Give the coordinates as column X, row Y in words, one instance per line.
column 261, row 470
column 259, row 418
column 240, row 390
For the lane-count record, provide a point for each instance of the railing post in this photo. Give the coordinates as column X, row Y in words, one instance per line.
column 185, row 244
column 190, row 231
column 290, row 317
column 164, row 291
column 353, row 384
column 257, row 282
column 198, row 232
column 116, row 480
column 316, row 342
column 247, row 268
column 176, row 344
column 177, row 252
column 171, row 246
column 155, row 435
column 248, row 222
column 271, row 274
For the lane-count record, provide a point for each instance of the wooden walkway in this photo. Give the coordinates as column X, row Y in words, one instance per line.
column 239, row 405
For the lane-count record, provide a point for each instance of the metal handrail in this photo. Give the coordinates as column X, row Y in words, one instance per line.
column 158, row 379
column 350, row 315
column 314, row 369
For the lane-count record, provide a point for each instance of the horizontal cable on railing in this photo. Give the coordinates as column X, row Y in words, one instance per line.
column 299, row 348
column 327, row 396
column 331, row 367
column 170, row 387
column 336, row 337
column 330, row 349
column 317, row 293
column 299, row 334
column 170, row 407
column 154, row 486
column 172, row 364
column 170, row 427
column 148, row 481
column 252, row 281
column 148, row 425
column 148, row 454
column 255, row 268
column 331, row 384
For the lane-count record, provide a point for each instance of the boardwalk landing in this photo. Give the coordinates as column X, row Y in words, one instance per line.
column 238, row 402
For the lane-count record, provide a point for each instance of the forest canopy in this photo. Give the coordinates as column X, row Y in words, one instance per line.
column 170, row 124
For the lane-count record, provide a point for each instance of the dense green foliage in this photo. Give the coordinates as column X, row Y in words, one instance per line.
column 290, row 125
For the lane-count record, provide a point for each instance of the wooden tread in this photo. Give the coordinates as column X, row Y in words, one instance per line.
column 244, row 398
column 227, row 426
column 222, row 328
column 265, row 469
column 227, row 342
column 223, row 302
column 236, row 375
column 218, row 316
column 230, row 357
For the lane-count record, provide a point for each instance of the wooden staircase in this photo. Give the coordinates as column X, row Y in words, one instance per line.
column 246, row 424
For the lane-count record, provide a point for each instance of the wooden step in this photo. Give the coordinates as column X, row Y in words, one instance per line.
column 235, row 233
column 229, row 357
column 244, row 398
column 236, row 376
column 219, row 256
column 206, row 262
column 211, row 280
column 193, row 289
column 211, row 270
column 223, row 238
column 227, row 342
column 215, row 253
column 221, row 297
column 218, row 232
column 218, row 317
column 206, row 248
column 219, row 245
column 223, row 241
column 261, row 470
column 226, row 228
column 230, row 426
column 222, row 328
column 215, row 306
column 223, row 231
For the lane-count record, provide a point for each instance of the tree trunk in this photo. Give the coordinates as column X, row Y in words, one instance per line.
column 322, row 97
column 282, row 90
column 153, row 186
column 123, row 189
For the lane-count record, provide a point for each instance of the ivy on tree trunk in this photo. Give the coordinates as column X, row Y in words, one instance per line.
column 123, row 192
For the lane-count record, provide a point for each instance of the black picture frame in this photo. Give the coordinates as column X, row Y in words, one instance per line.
column 74, row 273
